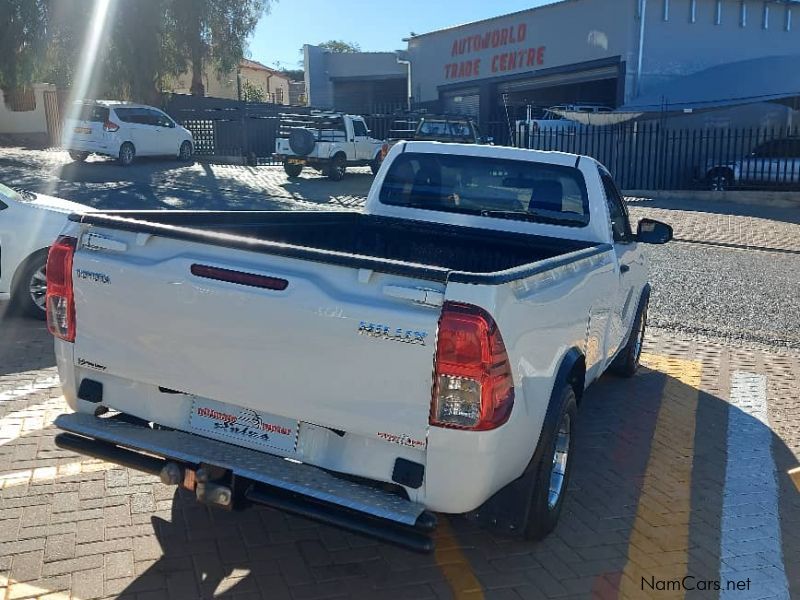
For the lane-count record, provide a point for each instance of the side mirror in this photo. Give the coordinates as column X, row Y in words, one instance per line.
column 653, row 232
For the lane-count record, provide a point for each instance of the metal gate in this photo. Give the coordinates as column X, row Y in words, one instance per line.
column 462, row 102
column 52, row 115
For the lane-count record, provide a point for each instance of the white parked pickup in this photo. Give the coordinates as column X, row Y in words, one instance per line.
column 327, row 142
column 363, row 369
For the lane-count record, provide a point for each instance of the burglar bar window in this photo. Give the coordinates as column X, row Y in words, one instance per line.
column 743, row 14
column 693, row 11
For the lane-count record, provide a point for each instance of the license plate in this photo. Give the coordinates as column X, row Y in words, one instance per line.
column 83, row 130
column 296, row 161
column 243, row 426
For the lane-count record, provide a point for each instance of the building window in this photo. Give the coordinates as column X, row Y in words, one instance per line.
column 666, row 10
column 279, row 96
column 765, row 17
column 743, row 14
column 718, row 15
column 692, row 11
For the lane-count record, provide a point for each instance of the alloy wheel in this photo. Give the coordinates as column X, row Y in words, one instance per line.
column 560, row 460
column 37, row 287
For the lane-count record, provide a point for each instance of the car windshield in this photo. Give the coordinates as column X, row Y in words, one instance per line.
column 512, row 189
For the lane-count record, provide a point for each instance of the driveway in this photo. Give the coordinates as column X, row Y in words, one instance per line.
column 680, row 482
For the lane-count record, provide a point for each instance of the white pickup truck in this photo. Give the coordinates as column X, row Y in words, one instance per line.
column 327, row 142
column 363, row 369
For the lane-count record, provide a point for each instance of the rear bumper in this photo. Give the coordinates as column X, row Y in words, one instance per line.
column 92, row 146
column 262, row 478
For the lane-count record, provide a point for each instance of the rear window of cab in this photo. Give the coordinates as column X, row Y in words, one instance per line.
column 492, row 187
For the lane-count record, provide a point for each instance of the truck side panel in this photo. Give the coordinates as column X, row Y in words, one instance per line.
column 540, row 318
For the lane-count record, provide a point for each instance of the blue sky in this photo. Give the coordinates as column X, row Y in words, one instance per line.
column 378, row 25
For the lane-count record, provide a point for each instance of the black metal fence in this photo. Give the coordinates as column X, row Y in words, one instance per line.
column 641, row 156
column 228, row 128
column 650, row 156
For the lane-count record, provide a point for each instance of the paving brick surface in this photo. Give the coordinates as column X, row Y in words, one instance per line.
column 646, row 500
column 641, row 505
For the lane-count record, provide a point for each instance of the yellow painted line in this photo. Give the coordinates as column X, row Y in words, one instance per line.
column 795, row 475
column 659, row 541
column 454, row 565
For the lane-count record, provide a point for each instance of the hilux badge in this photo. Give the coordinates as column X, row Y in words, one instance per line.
column 399, row 334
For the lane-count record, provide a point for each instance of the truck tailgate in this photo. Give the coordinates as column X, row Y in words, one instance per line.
column 337, row 346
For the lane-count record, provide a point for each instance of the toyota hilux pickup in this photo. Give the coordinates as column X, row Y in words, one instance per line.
column 364, row 369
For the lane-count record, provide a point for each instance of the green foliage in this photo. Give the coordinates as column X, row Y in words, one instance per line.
column 146, row 42
column 23, row 37
column 251, row 92
column 294, row 74
column 340, row 46
column 215, row 31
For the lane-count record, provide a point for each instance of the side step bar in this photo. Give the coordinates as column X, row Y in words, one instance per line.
column 297, row 488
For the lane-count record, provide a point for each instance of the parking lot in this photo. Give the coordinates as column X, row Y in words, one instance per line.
column 680, row 471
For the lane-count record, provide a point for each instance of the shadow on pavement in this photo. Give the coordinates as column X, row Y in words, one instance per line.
column 25, row 343
column 641, row 505
column 761, row 211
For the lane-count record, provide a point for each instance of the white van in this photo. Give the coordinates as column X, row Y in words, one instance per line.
column 123, row 131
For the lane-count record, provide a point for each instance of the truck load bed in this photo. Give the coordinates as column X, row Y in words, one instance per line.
column 400, row 246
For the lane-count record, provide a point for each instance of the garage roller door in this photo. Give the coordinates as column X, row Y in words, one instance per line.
column 463, row 102
column 519, row 85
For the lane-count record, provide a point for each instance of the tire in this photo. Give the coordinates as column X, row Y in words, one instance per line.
column 30, row 285
column 292, row 170
column 185, row 152
column 302, row 141
column 78, row 156
column 337, row 168
column 719, row 181
column 626, row 362
column 127, row 152
column 375, row 165
column 553, row 471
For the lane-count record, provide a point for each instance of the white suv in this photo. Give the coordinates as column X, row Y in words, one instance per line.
column 123, row 130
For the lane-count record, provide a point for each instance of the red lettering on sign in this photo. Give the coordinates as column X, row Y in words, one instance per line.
column 540, row 55
column 522, row 31
column 531, row 57
column 504, row 37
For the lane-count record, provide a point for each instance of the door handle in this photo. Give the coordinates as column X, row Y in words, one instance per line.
column 624, row 269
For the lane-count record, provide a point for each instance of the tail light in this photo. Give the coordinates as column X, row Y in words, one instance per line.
column 110, row 126
column 384, row 151
column 473, row 387
column 60, row 300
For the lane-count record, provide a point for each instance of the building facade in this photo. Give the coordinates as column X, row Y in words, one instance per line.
column 273, row 85
column 356, row 82
column 591, row 51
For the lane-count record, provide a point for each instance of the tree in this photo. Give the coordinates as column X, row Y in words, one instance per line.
column 340, row 46
column 23, row 38
column 294, row 74
column 214, row 31
column 251, row 92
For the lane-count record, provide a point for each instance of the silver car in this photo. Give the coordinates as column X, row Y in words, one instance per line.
column 771, row 163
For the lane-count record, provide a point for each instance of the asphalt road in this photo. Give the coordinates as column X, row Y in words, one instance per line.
column 736, row 294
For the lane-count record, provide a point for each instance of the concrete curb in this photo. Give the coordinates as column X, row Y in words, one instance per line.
column 752, row 198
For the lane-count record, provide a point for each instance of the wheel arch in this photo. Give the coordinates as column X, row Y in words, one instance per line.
column 23, row 263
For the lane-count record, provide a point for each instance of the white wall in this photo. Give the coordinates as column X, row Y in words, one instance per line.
column 27, row 122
